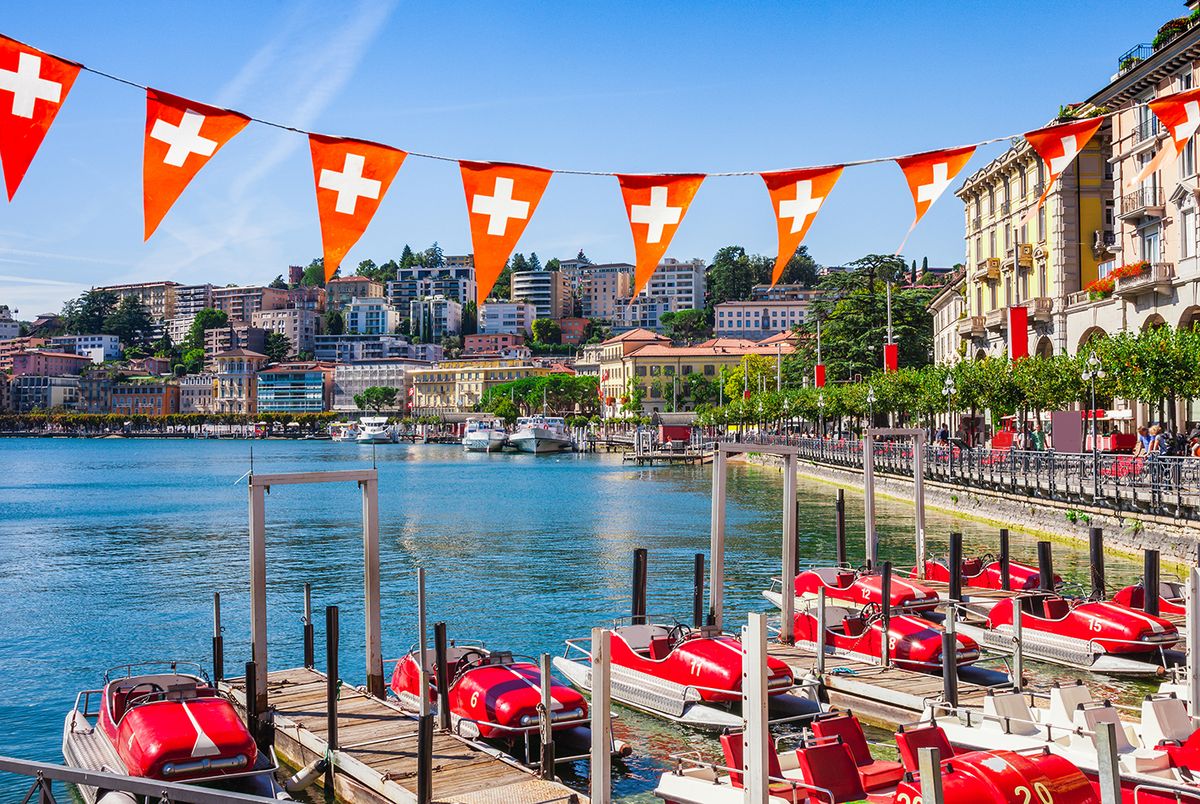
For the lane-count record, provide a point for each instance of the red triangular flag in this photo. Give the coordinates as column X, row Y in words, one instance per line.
column 1058, row 146
column 351, row 177
column 181, row 136
column 1180, row 113
column 797, row 196
column 33, row 86
column 655, row 206
column 928, row 175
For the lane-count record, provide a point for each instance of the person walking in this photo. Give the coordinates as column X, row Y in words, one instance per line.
column 1038, row 438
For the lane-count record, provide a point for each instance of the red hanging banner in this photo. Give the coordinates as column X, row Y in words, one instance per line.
column 891, row 357
column 1018, row 332
column 33, row 87
column 819, row 375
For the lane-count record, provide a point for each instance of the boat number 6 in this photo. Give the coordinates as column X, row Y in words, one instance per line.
column 474, row 699
column 1043, row 793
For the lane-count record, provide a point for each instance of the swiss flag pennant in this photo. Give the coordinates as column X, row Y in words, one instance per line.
column 33, row 86
column 351, row 177
column 501, row 199
column 1180, row 113
column 181, row 136
column 655, row 206
column 797, row 196
column 1058, row 146
column 928, row 175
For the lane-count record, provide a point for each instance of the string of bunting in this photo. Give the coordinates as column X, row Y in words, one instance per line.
column 351, row 176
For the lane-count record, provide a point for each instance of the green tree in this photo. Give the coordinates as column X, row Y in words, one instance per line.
column 518, row 263
column 278, row 347
column 376, row 398
column 535, row 264
column 333, row 322
column 730, row 277
column 278, row 283
column 206, row 319
column 596, row 331
column 407, row 258
column 433, row 257
column 130, row 321
column 193, row 361
column 686, row 326
column 546, row 330
column 165, row 347
column 553, row 264
column 470, row 318
column 86, row 315
column 367, row 268
column 583, row 257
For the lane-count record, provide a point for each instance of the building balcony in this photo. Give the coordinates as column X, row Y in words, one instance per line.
column 1040, row 308
column 988, row 268
column 1148, row 129
column 1146, row 202
column 1157, row 278
column 1133, row 57
column 996, row 320
column 971, row 327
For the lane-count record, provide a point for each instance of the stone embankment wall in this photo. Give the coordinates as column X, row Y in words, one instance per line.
column 1177, row 540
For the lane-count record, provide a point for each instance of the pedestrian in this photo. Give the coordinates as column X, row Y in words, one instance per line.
column 1039, row 438
column 1143, row 441
column 943, row 434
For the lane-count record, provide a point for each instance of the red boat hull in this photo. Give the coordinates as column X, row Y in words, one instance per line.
column 1115, row 629
column 1133, row 597
column 849, row 587
column 913, row 643
column 1022, row 578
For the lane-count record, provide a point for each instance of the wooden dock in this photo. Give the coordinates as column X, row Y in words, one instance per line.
column 376, row 759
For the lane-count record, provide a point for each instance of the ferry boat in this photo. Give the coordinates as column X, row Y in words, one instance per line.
column 375, row 430
column 845, row 585
column 1093, row 635
column 1158, row 754
column 343, row 431
column 484, row 435
column 914, row 643
column 835, row 765
column 154, row 720
column 692, row 676
column 540, row 434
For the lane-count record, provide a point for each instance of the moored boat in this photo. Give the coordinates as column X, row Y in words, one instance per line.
column 842, row 584
column 540, row 434
column 1170, row 598
column 343, row 431
column 984, row 572
column 484, row 435
column 375, row 430
column 156, row 721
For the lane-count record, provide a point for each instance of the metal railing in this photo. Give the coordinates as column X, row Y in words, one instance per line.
column 1147, row 129
column 1153, row 484
column 1141, row 199
column 1155, row 273
column 1134, row 56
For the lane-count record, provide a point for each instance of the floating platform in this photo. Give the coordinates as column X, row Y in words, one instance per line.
column 376, row 760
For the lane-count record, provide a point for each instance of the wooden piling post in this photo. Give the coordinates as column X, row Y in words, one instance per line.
column 821, row 623
column 546, row 766
column 371, row 596
column 1096, row 556
column 309, row 658
column 885, row 594
column 1150, row 582
column 252, row 701
column 790, row 554
column 1045, row 567
column 638, row 605
column 258, row 592
column 868, row 459
column 839, row 526
column 218, row 641
column 424, row 715
column 716, row 552
column 919, row 500
column 955, row 562
column 929, row 764
column 756, row 740
column 698, row 590
column 1005, row 575
column 332, row 678
column 443, row 675
column 600, row 770
column 950, row 668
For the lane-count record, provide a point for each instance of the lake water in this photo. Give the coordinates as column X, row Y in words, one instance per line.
column 111, row 550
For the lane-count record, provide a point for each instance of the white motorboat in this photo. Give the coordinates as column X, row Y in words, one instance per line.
column 375, row 430
column 484, row 435
column 343, row 431
column 541, row 434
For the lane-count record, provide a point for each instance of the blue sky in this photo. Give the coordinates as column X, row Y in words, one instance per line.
column 630, row 86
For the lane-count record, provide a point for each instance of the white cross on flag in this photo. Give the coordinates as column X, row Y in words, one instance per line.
column 501, row 199
column 1180, row 113
column 655, row 206
column 33, row 87
column 181, row 137
column 928, row 175
column 351, row 178
column 1058, row 146
column 796, row 197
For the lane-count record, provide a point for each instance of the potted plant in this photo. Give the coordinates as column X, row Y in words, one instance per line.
column 1102, row 288
column 1169, row 30
column 1130, row 270
column 1130, row 62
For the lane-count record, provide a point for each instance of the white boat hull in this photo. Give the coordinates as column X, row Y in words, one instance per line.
column 484, row 442
column 1060, row 649
column 537, row 440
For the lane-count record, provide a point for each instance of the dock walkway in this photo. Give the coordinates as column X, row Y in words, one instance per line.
column 377, row 753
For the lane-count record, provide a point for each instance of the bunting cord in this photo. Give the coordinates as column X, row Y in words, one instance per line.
column 444, row 158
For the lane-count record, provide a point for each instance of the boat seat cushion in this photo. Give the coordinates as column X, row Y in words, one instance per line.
column 844, row 725
column 660, row 647
column 1055, row 608
column 845, row 578
column 972, row 566
column 853, row 625
column 909, row 741
column 880, row 773
column 1165, row 719
column 731, row 746
column 1009, row 713
column 1141, row 760
column 832, row 767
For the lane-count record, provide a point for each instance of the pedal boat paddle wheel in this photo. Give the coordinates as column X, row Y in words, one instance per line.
column 1091, row 635
column 914, row 643
column 835, row 765
column 156, row 721
column 688, row 675
column 496, row 696
column 1157, row 747
column 856, row 588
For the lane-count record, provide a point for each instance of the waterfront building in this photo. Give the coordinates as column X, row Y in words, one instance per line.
column 587, row 360
column 491, row 342
column 30, row 392
column 355, row 348
column 605, row 289
column 295, row 388
column 97, row 347
column 241, row 303
column 650, row 361
column 1041, row 265
column 43, row 361
column 511, row 318
column 455, row 386
column 435, row 318
column 546, row 291
column 455, row 280
column 14, row 346
column 758, row 319
column 298, row 325
column 9, row 326
column 948, row 310
column 157, row 297
column 342, row 289
column 145, row 396
column 370, row 316
column 239, row 335
column 351, row 379
column 237, row 380
column 198, row 393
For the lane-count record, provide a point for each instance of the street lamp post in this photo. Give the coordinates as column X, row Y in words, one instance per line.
column 948, row 388
column 870, row 407
column 821, row 416
column 1093, row 371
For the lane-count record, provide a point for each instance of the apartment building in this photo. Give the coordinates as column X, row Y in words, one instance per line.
column 295, row 388
column 241, row 303
column 14, row 346
column 491, row 343
column 240, row 335
column 605, row 289
column 98, row 347
column 351, row 379
column 513, row 318
column 191, row 299
column 357, row 348
column 948, row 308
column 299, row 326
column 758, row 319
column 237, row 380
column 342, row 289
column 456, row 386
column 547, row 291
column 370, row 316
column 455, row 280
column 9, row 326
column 675, row 286
column 157, row 297
column 144, row 396
column 32, row 392
column 48, row 363
column 197, row 393
column 435, row 318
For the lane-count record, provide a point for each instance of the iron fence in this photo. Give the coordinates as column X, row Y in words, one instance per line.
column 1153, row 484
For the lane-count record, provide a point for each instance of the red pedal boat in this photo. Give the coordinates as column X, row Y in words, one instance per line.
column 690, row 675
column 913, row 643
column 836, row 766
column 1098, row 636
column 494, row 695
column 1170, row 598
column 168, row 725
column 984, row 573
column 857, row 589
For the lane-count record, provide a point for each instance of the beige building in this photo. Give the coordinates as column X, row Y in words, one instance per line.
column 198, row 393
column 456, row 386
column 299, row 326
column 603, row 289
column 241, row 303
column 237, row 381
column 342, row 289
column 157, row 297
column 948, row 308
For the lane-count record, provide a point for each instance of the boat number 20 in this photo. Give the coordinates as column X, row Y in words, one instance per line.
column 1025, row 797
